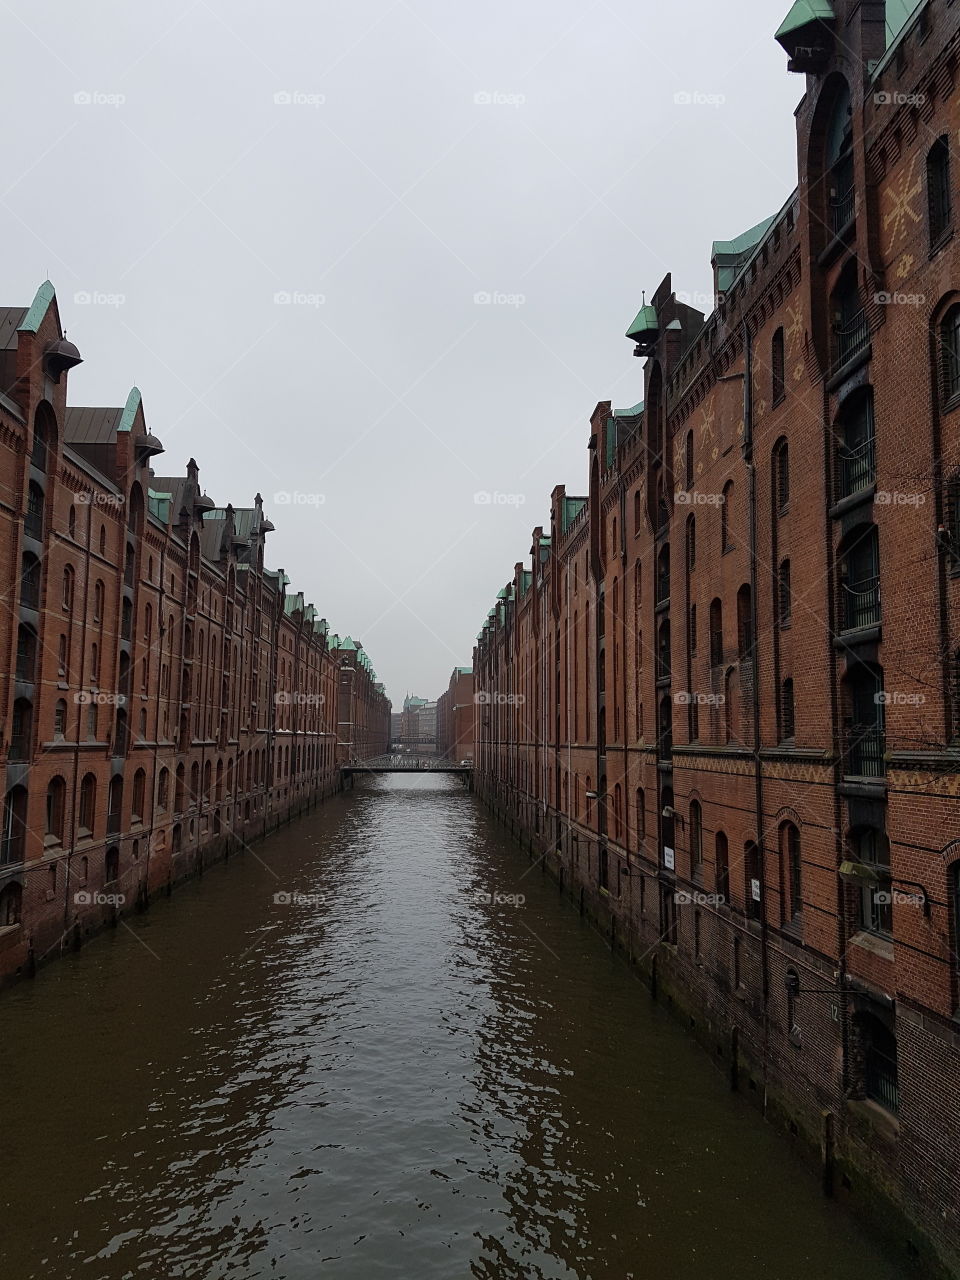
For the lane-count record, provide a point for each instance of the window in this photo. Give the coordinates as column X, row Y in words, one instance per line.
column 850, row 328
column 66, row 594
column 879, row 1055
column 725, row 537
column 784, row 595
column 92, row 720
column 642, row 821
column 98, row 602
column 21, row 730
column 952, row 527
column 38, row 454
column 790, row 861
column 692, row 629
column 663, row 574
column 788, row 728
column 11, row 899
column 60, row 719
column 696, row 839
column 30, row 582
column 139, row 795
column 938, row 190
column 72, row 523
column 859, row 555
column 88, row 803
column 56, row 797
column 745, row 631
column 688, row 462
column 103, row 539
column 950, row 355
column 26, row 668
column 163, row 789
column 781, row 477
column 33, row 519
column 839, row 166
column 691, row 543
column 777, row 362
column 872, row 851
column 111, row 865
column 857, row 453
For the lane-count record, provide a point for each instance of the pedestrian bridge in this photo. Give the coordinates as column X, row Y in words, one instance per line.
column 407, row 764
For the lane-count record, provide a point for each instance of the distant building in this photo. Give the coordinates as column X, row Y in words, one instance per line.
column 455, row 717
column 418, row 724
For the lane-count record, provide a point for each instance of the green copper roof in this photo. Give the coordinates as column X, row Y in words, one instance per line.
column 803, row 13
column 465, row 671
column 34, row 318
column 333, row 642
column 130, row 410
column 629, row 413
column 569, row 511
column 347, row 645
column 645, row 324
column 746, row 240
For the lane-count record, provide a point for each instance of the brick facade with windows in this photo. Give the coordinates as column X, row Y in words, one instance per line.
column 723, row 700
column 165, row 697
column 455, row 718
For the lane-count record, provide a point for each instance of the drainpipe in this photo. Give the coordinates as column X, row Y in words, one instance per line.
column 755, row 636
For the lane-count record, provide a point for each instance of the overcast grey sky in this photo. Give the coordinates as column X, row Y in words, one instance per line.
column 380, row 163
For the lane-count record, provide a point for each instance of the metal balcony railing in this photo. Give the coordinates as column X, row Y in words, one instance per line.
column 880, row 1078
column 860, row 603
column 851, row 336
column 857, row 467
column 865, row 749
column 841, row 209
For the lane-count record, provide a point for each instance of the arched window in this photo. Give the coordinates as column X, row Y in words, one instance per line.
column 642, row 815
column 856, row 441
column 115, row 803
column 688, row 462
column 207, row 776
column 871, row 850
column 784, row 594
column 726, row 543
column 72, row 522
column 663, row 574
column 938, row 190
column 787, row 711
column 103, row 539
column 13, row 848
column 791, row 872
column 88, row 804
column 696, row 838
column 139, row 795
column 11, row 901
column 950, row 356
column 178, row 792
column 60, row 718
column 56, row 805
column 163, row 789
column 781, row 477
column 839, row 170
column 777, row 359
column 98, row 601
column 21, row 730
column 617, row 812
column 66, row 594
column 38, row 454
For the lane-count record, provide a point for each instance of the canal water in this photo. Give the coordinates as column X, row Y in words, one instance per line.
column 355, row 1052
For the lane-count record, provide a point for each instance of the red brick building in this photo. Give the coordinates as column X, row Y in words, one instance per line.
column 723, row 700
column 165, row 696
column 455, row 711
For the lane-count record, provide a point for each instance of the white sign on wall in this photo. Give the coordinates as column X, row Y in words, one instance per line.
column 669, row 859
